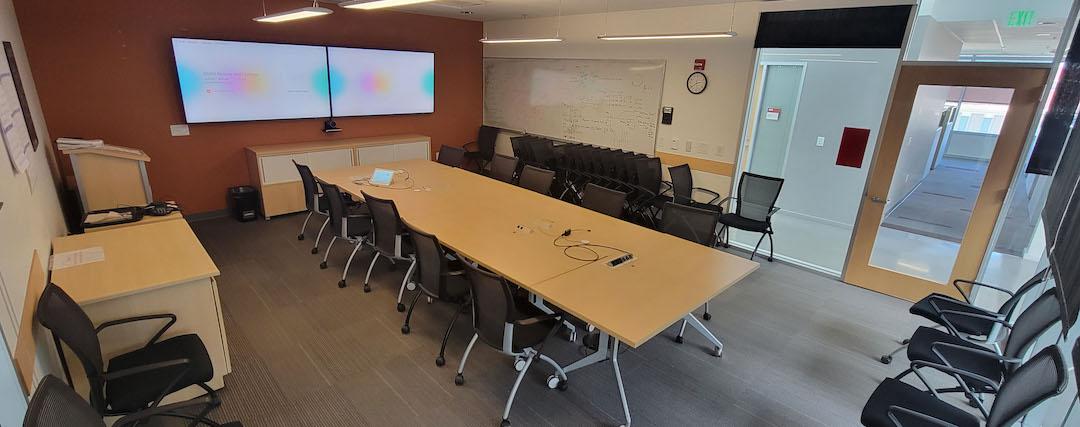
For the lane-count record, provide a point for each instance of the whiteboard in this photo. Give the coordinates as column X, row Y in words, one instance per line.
column 611, row 103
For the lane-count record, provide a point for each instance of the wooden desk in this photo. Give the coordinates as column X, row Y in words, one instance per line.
column 153, row 268
column 147, row 219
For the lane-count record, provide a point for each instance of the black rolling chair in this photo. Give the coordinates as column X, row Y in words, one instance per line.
column 536, row 179
column 650, row 177
column 606, row 201
column 390, row 241
column 484, row 147
column 693, row 224
column 512, row 326
column 932, row 305
column 349, row 223
column 451, row 156
column 754, row 209
column 682, row 189
column 54, row 404
column 503, row 168
column 440, row 281
column 522, row 146
column 985, row 369
column 897, row 404
column 136, row 380
column 315, row 202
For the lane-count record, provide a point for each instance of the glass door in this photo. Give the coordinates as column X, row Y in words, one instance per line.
column 936, row 189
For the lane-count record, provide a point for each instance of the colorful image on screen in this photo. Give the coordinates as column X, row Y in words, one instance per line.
column 366, row 82
column 223, row 81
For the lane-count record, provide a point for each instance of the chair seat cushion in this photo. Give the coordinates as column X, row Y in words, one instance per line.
column 457, row 289
column 921, row 349
column 742, row 223
column 892, row 392
column 967, row 325
column 135, row 392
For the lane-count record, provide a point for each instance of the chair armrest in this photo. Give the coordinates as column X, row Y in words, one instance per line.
column 455, row 273
column 893, row 410
column 960, row 372
column 112, row 375
column 170, row 316
column 994, row 319
column 536, row 319
column 727, row 200
column 145, row 414
column 977, row 352
column 773, row 210
column 962, row 304
column 716, row 196
column 957, row 282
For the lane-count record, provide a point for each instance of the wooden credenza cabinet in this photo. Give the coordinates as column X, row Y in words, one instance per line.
column 272, row 171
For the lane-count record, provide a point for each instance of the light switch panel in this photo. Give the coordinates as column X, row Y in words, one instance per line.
column 820, row 141
column 179, row 130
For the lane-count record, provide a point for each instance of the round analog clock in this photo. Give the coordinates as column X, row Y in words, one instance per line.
column 697, row 82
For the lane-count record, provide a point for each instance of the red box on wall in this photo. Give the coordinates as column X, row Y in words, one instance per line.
column 853, row 147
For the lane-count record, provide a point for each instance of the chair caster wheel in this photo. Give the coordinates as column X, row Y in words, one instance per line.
column 400, row 307
column 367, row 289
column 405, row 329
column 707, row 316
column 459, row 379
column 341, row 283
column 519, row 365
column 553, row 382
column 718, row 351
column 973, row 403
column 505, row 423
column 770, row 259
column 886, row 359
column 679, row 339
column 410, row 286
column 322, row 265
column 905, row 341
column 300, row 237
column 440, row 361
column 314, row 250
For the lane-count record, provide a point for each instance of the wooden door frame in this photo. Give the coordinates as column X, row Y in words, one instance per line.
column 1027, row 82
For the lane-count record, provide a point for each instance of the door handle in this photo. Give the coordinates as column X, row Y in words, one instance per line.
column 877, row 199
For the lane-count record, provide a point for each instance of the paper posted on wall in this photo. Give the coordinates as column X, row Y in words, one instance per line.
column 12, row 123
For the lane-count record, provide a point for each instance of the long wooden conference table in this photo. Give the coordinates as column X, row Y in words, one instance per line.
column 511, row 231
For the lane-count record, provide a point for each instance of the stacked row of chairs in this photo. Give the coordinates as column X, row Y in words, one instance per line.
column 967, row 346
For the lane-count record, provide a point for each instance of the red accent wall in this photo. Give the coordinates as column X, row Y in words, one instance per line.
column 104, row 69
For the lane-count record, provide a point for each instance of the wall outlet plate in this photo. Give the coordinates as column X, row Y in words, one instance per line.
column 179, row 130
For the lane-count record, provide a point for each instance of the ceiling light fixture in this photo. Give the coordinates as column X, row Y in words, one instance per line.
column 294, row 14
column 730, row 33
column 379, row 4
column 558, row 24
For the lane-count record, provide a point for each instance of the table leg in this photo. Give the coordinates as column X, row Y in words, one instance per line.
column 618, row 379
column 718, row 350
column 602, row 354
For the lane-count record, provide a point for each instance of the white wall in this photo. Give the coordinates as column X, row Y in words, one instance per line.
column 971, row 145
column 915, row 155
column 31, row 215
column 712, row 121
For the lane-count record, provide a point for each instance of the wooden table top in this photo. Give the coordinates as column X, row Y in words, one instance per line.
column 479, row 217
column 137, row 259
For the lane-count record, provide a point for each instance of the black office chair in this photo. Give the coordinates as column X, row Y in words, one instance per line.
column 512, row 326
column 391, row 242
column 314, row 201
column 897, row 404
column 985, row 368
column 136, row 380
column 650, row 177
column 931, row 306
column 484, row 147
column 536, row 179
column 349, row 223
column 503, row 168
column 522, row 148
column 55, row 404
column 682, row 188
column 451, row 156
column 438, row 280
column 606, row 201
column 754, row 209
column 693, row 224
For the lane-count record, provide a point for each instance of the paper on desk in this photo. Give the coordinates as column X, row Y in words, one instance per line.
column 64, row 260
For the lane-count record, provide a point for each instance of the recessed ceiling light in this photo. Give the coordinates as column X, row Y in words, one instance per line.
column 378, row 4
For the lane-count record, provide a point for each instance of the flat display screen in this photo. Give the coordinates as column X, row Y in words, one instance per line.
column 369, row 82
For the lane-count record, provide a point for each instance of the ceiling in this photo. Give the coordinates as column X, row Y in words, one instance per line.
column 981, row 37
column 494, row 10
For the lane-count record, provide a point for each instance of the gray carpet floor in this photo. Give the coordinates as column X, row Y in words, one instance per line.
column 800, row 349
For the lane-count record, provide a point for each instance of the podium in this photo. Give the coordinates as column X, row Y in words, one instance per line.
column 110, row 177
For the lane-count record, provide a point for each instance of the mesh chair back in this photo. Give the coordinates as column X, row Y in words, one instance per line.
column 431, row 261
column 629, row 165
column 649, row 174
column 757, row 196
column 54, row 404
column 1010, row 304
column 522, row 148
column 690, row 223
column 310, row 189
column 682, row 183
column 544, row 151
column 387, row 225
column 604, row 200
column 337, row 209
column 451, row 156
column 503, row 167
column 1076, row 362
column 1040, row 378
column 68, row 323
column 536, row 179
column 485, row 141
column 1035, row 320
column 492, row 305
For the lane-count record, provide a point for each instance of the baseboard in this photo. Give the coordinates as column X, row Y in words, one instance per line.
column 203, row 216
column 789, row 260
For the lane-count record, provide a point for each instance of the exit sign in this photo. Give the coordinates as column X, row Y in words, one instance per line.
column 1021, row 18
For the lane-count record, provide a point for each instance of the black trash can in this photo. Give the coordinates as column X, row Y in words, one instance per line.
column 243, row 202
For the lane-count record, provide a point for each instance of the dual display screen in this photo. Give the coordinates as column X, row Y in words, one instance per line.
column 227, row 81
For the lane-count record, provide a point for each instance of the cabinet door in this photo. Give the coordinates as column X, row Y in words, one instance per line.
column 330, row 159
column 376, row 154
column 413, row 150
column 277, row 169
